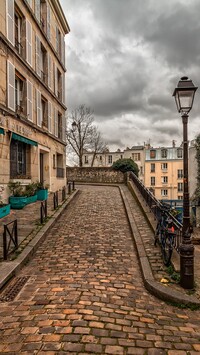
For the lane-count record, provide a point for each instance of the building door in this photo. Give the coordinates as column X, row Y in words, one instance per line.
column 41, row 168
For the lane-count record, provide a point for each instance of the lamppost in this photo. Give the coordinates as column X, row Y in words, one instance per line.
column 184, row 97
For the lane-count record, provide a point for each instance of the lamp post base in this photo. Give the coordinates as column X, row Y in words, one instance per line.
column 187, row 266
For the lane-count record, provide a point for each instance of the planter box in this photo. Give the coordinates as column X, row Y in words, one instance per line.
column 42, row 194
column 31, row 199
column 4, row 210
column 18, row 202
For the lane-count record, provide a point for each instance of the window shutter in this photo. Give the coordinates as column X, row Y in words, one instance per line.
column 63, row 128
column 63, row 50
column 39, row 108
column 56, row 80
column 30, row 3
column 56, row 121
column 11, row 85
column 57, row 40
column 63, row 88
column 29, row 100
column 28, row 43
column 10, row 21
column 37, row 55
column 48, row 22
column 49, row 116
column 37, row 9
column 49, row 71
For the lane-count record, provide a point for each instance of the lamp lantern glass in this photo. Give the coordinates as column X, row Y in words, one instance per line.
column 184, row 95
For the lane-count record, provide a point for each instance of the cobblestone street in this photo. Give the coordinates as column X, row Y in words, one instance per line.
column 85, row 293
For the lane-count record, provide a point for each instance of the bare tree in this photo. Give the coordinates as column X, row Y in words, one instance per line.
column 98, row 145
column 81, row 134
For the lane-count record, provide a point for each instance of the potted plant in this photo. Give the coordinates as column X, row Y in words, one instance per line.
column 18, row 198
column 4, row 208
column 30, row 192
column 42, row 191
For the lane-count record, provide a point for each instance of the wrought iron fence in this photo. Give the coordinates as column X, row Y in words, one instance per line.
column 10, row 238
column 157, row 207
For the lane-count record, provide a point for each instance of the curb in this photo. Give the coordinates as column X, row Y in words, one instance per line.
column 8, row 269
column 153, row 286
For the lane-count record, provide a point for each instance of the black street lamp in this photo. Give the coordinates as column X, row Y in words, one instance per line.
column 184, row 97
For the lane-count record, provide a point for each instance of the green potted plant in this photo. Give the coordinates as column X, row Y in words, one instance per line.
column 42, row 191
column 4, row 208
column 18, row 199
column 30, row 192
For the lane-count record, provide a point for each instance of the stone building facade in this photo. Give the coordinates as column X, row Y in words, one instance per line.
column 32, row 94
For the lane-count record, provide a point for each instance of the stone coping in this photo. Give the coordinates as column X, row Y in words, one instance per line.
column 153, row 286
column 8, row 269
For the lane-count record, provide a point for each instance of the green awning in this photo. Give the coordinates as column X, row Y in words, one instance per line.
column 2, row 131
column 23, row 139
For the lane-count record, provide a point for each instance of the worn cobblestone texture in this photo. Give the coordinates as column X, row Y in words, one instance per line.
column 85, row 293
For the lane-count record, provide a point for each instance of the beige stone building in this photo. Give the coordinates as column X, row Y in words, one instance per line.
column 164, row 172
column 32, row 94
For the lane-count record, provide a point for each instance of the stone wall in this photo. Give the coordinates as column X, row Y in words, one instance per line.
column 94, row 175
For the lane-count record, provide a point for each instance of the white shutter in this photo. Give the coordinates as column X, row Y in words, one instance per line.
column 30, row 3
column 49, row 71
column 29, row 43
column 50, row 116
column 63, row 128
column 29, row 100
column 37, row 55
column 48, row 22
column 63, row 88
column 11, row 85
column 63, row 50
column 56, row 122
column 56, row 80
column 39, row 108
column 37, row 9
column 10, row 21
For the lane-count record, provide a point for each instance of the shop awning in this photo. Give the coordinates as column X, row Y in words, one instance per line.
column 23, row 139
column 2, row 131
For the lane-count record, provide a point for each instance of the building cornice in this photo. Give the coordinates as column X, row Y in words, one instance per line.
column 61, row 15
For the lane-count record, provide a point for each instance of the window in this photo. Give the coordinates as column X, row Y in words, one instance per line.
column 86, row 159
column 54, row 161
column 18, row 30
column 180, row 173
column 164, row 179
column 179, row 153
column 58, row 41
column 41, row 59
column 152, row 153
column 100, row 157
column 164, row 166
column 153, row 168
column 164, row 192
column 60, row 173
column 136, row 156
column 110, row 159
column 19, row 92
column 180, row 187
column 60, row 124
column 141, row 170
column 180, row 197
column 44, row 107
column 59, row 84
column 153, row 181
column 164, row 153
column 19, row 159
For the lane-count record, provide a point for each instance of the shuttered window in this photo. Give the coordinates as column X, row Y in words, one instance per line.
column 56, row 80
column 56, row 121
column 10, row 21
column 49, row 71
column 29, row 100
column 39, row 108
column 28, row 42
column 38, row 56
column 48, row 22
column 49, row 116
column 63, row 128
column 11, row 85
column 63, row 89
column 37, row 9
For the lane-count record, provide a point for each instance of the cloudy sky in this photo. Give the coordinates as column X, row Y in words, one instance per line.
column 124, row 59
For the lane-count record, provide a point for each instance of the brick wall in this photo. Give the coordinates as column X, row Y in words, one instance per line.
column 94, row 175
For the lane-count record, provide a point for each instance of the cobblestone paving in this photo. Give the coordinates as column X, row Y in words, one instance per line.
column 85, row 294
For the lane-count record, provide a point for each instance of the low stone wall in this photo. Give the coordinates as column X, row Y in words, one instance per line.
column 94, row 175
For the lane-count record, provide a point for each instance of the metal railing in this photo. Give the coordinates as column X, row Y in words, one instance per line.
column 156, row 207
column 10, row 230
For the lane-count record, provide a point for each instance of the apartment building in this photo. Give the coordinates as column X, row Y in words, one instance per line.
column 32, row 93
column 137, row 153
column 164, row 172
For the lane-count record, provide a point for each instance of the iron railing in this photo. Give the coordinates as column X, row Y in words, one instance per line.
column 43, row 211
column 10, row 230
column 157, row 207
column 63, row 193
column 55, row 200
